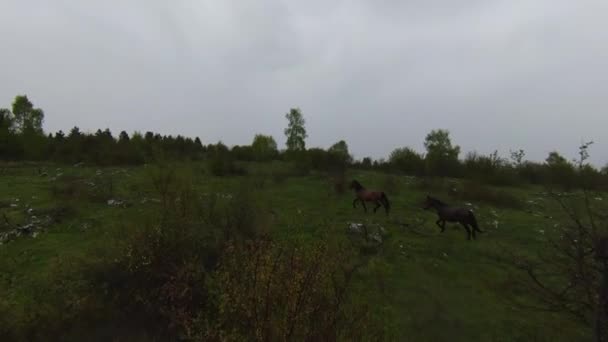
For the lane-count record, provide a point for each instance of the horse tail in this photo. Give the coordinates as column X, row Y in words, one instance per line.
column 474, row 222
column 387, row 204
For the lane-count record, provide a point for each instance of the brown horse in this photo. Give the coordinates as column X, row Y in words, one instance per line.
column 464, row 216
column 364, row 195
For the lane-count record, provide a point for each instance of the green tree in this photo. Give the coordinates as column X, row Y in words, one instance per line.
column 138, row 150
column 295, row 131
column 27, row 118
column 340, row 150
column 366, row 163
column 561, row 171
column 517, row 157
column 10, row 146
column 60, row 136
column 198, row 143
column 556, row 159
column 441, row 156
column 75, row 133
column 407, row 160
column 123, row 137
column 264, row 147
column 6, row 120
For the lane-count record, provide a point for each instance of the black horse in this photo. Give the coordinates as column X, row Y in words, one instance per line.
column 364, row 195
column 464, row 216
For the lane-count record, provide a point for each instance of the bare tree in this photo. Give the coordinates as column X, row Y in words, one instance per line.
column 573, row 276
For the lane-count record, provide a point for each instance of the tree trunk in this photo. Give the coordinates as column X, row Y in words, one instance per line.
column 601, row 316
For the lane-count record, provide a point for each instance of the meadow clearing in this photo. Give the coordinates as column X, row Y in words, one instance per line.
column 414, row 283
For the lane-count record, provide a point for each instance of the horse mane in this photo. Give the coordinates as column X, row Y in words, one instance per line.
column 357, row 184
column 438, row 201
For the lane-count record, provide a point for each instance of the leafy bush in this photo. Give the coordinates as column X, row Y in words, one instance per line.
column 274, row 292
column 58, row 212
column 244, row 214
column 490, row 169
column 338, row 182
column 473, row 191
column 432, row 184
column 163, row 272
column 160, row 275
column 264, row 147
column 408, row 161
column 570, row 274
column 280, row 176
column 560, row 171
column 98, row 189
column 390, row 185
column 224, row 165
column 187, row 274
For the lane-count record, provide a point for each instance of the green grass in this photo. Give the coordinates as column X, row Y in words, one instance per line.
column 420, row 286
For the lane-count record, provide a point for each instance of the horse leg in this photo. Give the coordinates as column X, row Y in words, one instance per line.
column 355, row 202
column 364, row 206
column 441, row 224
column 378, row 205
column 468, row 231
column 473, row 232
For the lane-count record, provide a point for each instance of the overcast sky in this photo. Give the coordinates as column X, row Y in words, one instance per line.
column 379, row 74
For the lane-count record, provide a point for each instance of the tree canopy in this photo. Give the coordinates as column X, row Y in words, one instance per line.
column 295, row 131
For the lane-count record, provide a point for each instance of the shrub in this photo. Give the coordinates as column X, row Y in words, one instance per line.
column 162, row 274
column 279, row 176
column 244, row 216
column 98, row 189
column 432, row 184
column 273, row 292
column 163, row 180
column 338, row 182
column 302, row 163
column 407, row 160
column 569, row 274
column 490, row 169
column 223, row 165
column 68, row 187
column 473, row 191
column 58, row 212
column 187, row 274
column 390, row 185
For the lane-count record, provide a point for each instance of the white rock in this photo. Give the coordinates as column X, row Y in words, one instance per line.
column 375, row 236
column 355, row 227
column 114, row 202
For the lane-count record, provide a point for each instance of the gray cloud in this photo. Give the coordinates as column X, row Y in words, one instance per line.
column 498, row 74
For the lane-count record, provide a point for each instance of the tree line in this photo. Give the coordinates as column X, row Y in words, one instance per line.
column 22, row 138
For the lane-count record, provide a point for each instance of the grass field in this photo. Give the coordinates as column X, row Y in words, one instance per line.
column 420, row 285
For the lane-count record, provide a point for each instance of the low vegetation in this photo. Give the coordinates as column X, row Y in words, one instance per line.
column 148, row 237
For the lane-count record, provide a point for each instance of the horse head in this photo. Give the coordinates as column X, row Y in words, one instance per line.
column 355, row 185
column 431, row 202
